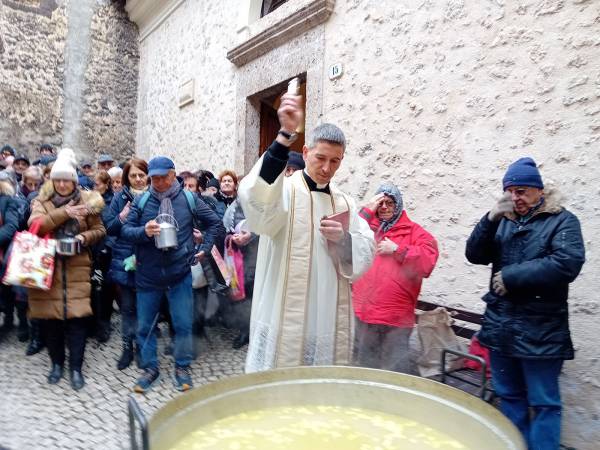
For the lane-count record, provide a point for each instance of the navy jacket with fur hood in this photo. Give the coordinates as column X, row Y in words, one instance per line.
column 538, row 260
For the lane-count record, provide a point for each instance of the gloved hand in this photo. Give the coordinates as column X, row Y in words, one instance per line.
column 498, row 284
column 503, row 205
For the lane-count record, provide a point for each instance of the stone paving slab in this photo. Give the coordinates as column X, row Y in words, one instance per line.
column 35, row 415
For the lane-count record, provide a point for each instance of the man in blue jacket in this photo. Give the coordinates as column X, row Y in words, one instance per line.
column 536, row 249
column 167, row 272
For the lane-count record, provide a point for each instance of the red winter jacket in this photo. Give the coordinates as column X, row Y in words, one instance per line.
column 387, row 293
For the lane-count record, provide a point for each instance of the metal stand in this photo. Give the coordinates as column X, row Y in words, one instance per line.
column 136, row 415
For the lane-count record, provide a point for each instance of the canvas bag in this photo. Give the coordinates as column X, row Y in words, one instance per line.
column 31, row 260
column 198, row 277
column 435, row 333
column 234, row 260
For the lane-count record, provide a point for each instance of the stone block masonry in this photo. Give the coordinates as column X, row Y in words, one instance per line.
column 33, row 36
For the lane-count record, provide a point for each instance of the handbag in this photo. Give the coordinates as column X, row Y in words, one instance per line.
column 234, row 260
column 31, row 260
column 198, row 277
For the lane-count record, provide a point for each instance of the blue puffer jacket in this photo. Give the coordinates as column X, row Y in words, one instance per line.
column 538, row 259
column 121, row 248
column 158, row 269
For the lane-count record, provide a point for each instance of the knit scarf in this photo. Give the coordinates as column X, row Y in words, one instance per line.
column 166, row 207
column 59, row 200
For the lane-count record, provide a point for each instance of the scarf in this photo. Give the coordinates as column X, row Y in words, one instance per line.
column 390, row 190
column 166, row 207
column 136, row 192
column 58, row 200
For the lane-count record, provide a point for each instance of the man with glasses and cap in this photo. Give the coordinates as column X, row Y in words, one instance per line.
column 166, row 272
column 535, row 249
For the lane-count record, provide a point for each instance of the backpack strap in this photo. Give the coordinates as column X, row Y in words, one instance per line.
column 143, row 200
column 191, row 201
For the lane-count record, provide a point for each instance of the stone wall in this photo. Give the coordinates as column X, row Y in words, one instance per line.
column 111, row 77
column 31, row 73
column 32, row 64
column 438, row 96
column 190, row 44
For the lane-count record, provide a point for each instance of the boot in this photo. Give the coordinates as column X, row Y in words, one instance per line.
column 23, row 331
column 103, row 331
column 36, row 344
column 127, row 355
column 77, row 380
column 55, row 374
column 23, row 328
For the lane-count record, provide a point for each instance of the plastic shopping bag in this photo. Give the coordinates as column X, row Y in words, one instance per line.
column 31, row 260
column 234, row 260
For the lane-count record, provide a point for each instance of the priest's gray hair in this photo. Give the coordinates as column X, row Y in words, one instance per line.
column 327, row 132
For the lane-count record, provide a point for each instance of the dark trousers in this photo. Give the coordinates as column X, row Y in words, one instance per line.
column 11, row 298
column 71, row 332
column 382, row 346
column 127, row 297
column 524, row 384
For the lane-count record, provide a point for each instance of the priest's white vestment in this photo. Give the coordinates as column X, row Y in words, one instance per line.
column 302, row 306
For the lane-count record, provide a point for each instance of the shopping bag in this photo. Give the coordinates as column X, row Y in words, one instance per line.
column 198, row 277
column 435, row 333
column 31, row 260
column 234, row 260
column 476, row 349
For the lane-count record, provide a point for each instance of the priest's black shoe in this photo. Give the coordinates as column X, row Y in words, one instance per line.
column 76, row 380
column 55, row 374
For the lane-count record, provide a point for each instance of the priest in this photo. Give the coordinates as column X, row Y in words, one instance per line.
column 312, row 244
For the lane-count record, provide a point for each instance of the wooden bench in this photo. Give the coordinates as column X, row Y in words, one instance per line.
column 466, row 324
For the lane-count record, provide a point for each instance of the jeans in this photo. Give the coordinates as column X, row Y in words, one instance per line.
column 181, row 308
column 128, row 313
column 71, row 331
column 382, row 346
column 528, row 383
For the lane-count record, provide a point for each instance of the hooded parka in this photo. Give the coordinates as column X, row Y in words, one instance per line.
column 75, row 269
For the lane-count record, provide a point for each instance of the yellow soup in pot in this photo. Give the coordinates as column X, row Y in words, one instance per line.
column 316, row 427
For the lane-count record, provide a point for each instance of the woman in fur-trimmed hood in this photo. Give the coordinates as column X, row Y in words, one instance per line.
column 64, row 210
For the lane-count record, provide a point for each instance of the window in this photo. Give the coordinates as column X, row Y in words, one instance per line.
column 268, row 6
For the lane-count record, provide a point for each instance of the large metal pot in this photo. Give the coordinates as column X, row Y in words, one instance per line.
column 453, row 412
column 68, row 246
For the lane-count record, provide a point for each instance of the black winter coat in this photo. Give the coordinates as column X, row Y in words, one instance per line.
column 538, row 260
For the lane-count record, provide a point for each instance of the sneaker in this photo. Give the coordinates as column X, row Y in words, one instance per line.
column 183, row 379
column 145, row 382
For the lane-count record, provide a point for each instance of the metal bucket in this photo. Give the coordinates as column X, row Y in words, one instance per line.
column 68, row 246
column 168, row 232
column 476, row 424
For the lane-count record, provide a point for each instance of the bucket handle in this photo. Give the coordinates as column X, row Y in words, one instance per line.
column 136, row 415
column 172, row 217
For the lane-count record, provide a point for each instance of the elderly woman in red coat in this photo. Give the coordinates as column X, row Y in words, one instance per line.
column 385, row 297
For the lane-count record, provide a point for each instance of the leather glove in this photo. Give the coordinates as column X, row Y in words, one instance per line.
column 498, row 284
column 503, row 205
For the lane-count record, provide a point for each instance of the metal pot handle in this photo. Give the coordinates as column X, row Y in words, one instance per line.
column 136, row 415
column 172, row 217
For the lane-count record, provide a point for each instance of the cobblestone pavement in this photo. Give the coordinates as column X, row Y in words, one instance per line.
column 35, row 415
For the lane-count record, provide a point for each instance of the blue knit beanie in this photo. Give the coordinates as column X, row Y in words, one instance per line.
column 523, row 172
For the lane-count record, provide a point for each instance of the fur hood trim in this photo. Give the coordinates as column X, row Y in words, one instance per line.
column 6, row 188
column 552, row 203
column 92, row 199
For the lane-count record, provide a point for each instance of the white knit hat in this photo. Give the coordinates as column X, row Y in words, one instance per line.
column 64, row 167
column 115, row 172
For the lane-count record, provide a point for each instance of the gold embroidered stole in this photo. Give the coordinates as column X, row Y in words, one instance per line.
column 291, row 338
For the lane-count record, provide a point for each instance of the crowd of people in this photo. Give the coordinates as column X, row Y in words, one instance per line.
column 322, row 280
